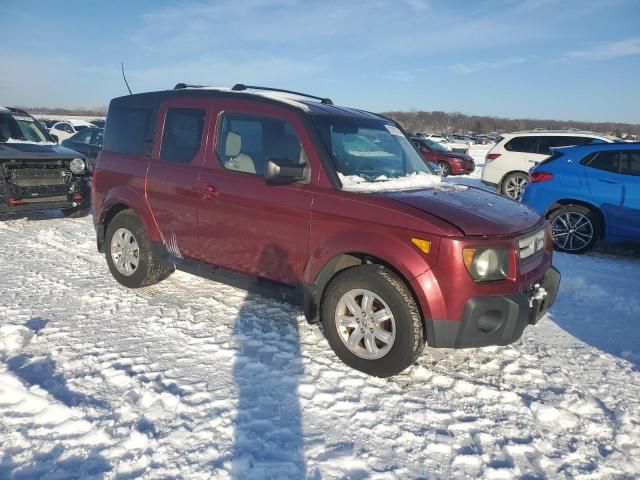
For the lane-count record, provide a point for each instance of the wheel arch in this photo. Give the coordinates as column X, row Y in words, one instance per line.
column 314, row 293
column 119, row 200
column 572, row 201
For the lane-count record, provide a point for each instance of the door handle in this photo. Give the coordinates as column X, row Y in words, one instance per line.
column 208, row 192
column 608, row 180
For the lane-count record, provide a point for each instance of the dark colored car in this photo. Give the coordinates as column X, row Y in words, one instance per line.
column 88, row 142
column 329, row 207
column 98, row 122
column 37, row 174
column 588, row 193
column 450, row 163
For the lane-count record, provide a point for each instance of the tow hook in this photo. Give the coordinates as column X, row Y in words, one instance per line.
column 538, row 294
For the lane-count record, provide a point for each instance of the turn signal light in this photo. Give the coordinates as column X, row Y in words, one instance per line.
column 423, row 245
column 540, row 177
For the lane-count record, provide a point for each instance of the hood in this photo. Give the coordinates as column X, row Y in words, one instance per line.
column 475, row 211
column 35, row 151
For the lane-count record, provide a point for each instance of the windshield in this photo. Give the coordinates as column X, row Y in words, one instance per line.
column 370, row 149
column 21, row 128
column 436, row 147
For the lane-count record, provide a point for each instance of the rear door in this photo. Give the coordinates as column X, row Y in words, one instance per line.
column 245, row 224
column 173, row 173
column 614, row 184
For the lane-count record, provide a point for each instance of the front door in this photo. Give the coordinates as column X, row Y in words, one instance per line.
column 245, row 224
column 177, row 159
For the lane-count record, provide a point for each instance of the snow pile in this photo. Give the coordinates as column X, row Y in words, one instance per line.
column 15, row 140
column 413, row 181
column 193, row 379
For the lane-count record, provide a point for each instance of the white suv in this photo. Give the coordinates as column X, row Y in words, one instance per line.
column 508, row 163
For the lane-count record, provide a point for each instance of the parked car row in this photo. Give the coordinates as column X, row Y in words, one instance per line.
column 61, row 130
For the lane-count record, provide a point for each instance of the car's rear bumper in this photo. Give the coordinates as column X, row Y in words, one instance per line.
column 494, row 320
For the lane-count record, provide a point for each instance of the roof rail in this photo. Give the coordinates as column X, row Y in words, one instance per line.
column 239, row 87
column 181, row 86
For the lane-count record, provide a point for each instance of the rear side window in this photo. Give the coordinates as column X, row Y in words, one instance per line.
column 630, row 162
column 606, row 161
column 246, row 142
column 547, row 142
column 182, row 134
column 521, row 144
column 127, row 130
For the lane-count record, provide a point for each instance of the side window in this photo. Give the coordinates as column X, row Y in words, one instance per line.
column 607, row 161
column 521, row 144
column 182, row 134
column 98, row 136
column 59, row 126
column 246, row 142
column 545, row 143
column 84, row 137
column 128, row 129
column 630, row 162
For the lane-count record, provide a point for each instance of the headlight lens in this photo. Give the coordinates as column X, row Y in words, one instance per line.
column 77, row 166
column 487, row 264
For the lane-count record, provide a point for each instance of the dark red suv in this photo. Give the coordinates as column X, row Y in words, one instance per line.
column 450, row 163
column 329, row 207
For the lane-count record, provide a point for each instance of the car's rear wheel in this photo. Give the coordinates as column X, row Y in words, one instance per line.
column 575, row 228
column 514, row 184
column 444, row 168
column 129, row 252
column 372, row 321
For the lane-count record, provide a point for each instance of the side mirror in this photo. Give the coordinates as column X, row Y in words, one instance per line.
column 281, row 171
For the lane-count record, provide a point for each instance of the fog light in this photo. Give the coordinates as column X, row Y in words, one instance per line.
column 490, row 321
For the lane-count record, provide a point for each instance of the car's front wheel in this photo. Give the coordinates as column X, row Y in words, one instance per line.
column 575, row 228
column 129, row 252
column 372, row 321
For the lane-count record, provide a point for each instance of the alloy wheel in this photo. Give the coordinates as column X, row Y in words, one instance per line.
column 125, row 252
column 365, row 324
column 572, row 231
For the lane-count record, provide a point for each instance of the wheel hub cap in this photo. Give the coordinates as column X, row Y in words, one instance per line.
column 365, row 324
column 125, row 252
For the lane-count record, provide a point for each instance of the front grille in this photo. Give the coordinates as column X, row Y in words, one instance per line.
column 36, row 177
column 531, row 246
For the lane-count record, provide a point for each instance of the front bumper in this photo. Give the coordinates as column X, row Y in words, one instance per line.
column 495, row 320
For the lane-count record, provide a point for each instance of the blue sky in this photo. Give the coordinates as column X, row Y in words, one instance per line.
column 561, row 59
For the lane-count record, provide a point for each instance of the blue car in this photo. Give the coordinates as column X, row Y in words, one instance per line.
column 588, row 193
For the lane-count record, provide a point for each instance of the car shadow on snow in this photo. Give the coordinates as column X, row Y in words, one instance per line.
column 51, row 465
column 41, row 371
column 598, row 302
column 268, row 437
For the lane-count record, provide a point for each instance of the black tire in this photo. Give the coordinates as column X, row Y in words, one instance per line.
column 444, row 168
column 509, row 190
column 150, row 269
column 409, row 334
column 578, row 215
column 77, row 212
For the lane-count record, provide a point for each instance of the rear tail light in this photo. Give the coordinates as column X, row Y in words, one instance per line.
column 540, row 177
column 491, row 156
column 15, row 201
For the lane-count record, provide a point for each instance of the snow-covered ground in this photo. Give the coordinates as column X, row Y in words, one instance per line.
column 194, row 379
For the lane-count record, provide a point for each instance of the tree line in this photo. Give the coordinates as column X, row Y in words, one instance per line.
column 443, row 122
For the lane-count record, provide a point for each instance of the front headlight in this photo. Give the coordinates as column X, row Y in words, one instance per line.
column 77, row 166
column 487, row 264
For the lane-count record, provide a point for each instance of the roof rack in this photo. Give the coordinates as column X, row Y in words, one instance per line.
column 239, row 87
column 180, row 86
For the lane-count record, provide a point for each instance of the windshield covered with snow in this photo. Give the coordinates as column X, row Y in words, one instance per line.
column 372, row 154
column 21, row 128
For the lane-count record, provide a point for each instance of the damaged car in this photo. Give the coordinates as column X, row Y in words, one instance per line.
column 35, row 172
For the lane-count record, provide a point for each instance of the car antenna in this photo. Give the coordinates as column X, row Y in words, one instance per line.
column 125, row 78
